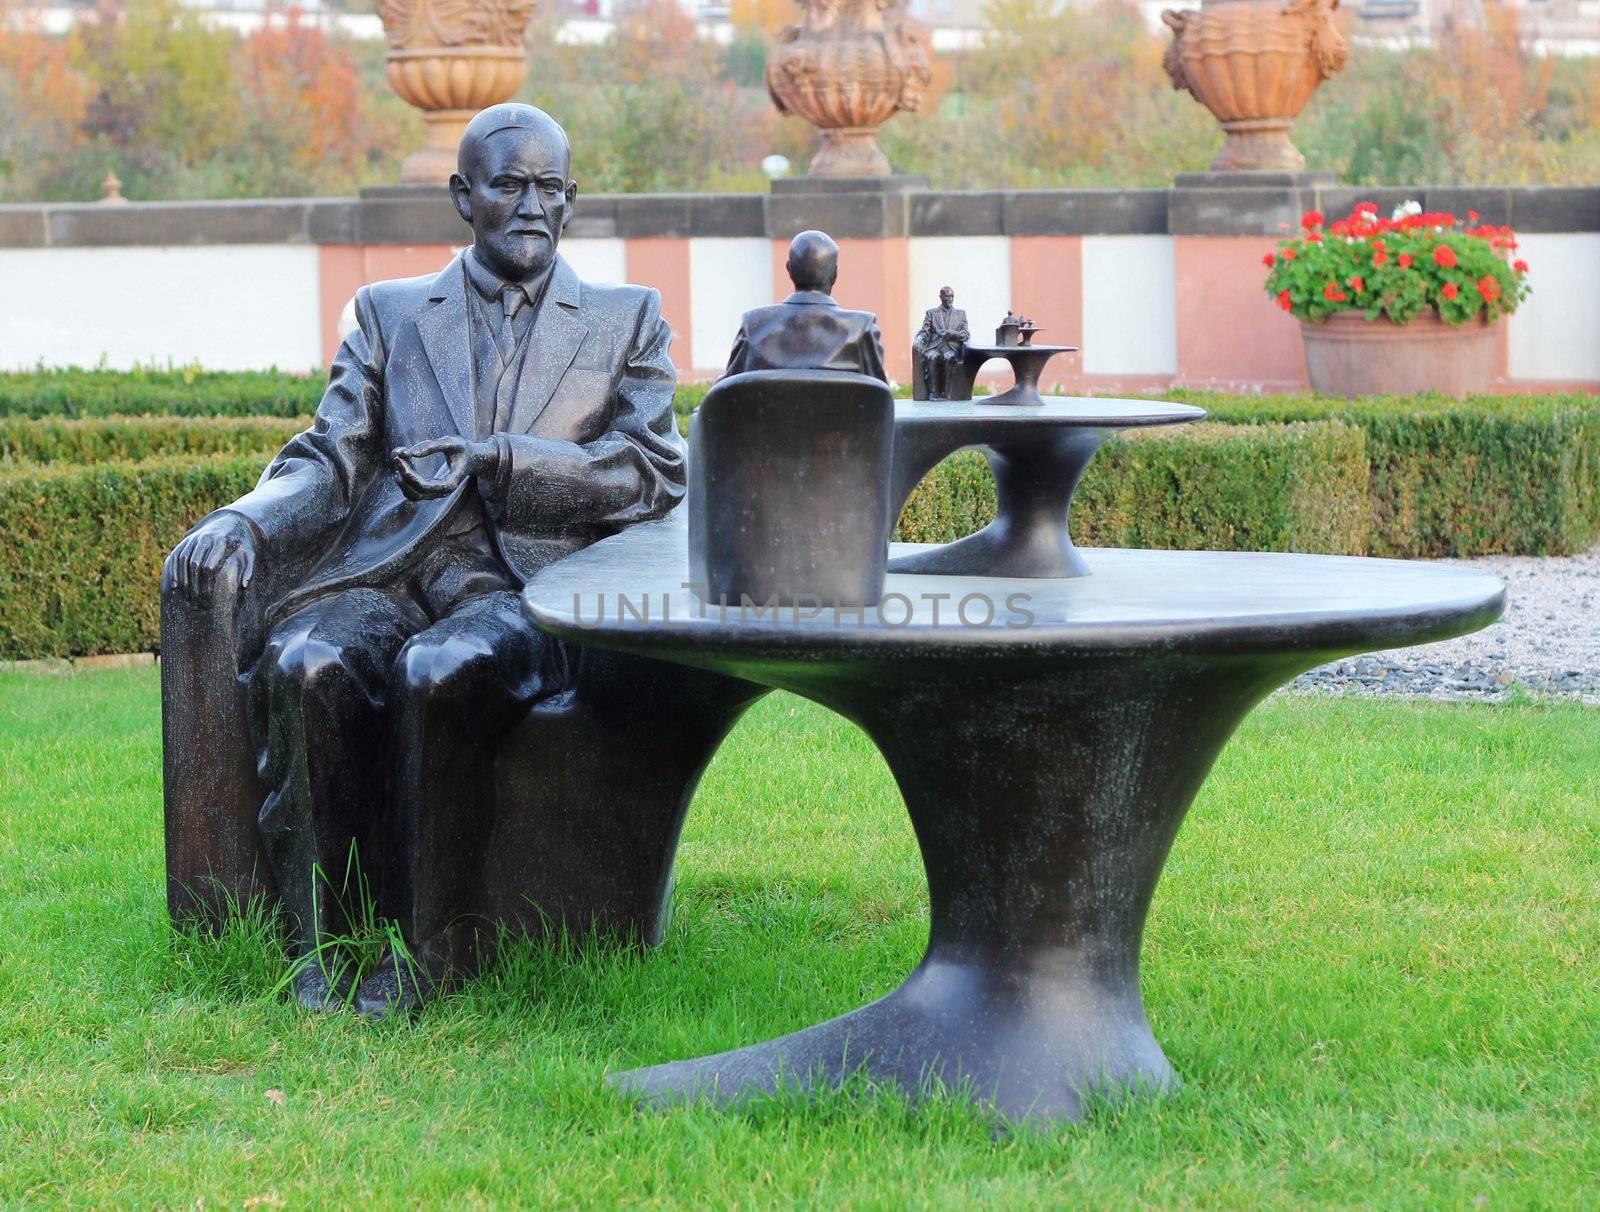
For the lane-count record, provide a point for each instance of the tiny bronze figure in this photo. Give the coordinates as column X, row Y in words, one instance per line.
column 1009, row 332
column 808, row 330
column 478, row 425
column 938, row 349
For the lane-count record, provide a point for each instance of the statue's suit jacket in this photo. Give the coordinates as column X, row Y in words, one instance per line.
column 808, row 331
column 591, row 443
column 934, row 326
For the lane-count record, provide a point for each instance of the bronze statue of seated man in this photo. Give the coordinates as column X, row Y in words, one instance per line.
column 478, row 424
column 808, row 330
column 939, row 347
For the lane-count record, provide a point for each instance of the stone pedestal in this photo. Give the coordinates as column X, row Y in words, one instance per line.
column 1243, row 203
column 847, row 207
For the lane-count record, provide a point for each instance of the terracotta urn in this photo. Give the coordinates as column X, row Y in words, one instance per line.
column 451, row 58
column 1350, row 355
column 1254, row 64
column 847, row 68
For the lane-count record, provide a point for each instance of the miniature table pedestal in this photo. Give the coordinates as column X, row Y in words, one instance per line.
column 1047, row 755
column 1038, row 454
column 1027, row 365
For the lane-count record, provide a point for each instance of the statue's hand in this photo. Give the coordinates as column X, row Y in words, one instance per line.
column 191, row 570
column 463, row 458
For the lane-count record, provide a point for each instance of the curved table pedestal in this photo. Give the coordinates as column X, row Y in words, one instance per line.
column 1038, row 454
column 1027, row 367
column 1044, row 808
column 1047, row 758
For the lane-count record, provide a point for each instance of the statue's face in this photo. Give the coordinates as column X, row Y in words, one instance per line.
column 518, row 198
column 946, row 297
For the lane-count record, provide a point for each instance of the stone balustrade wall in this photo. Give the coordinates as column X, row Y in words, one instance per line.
column 1159, row 287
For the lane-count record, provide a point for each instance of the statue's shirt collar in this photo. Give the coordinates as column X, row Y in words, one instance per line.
column 489, row 284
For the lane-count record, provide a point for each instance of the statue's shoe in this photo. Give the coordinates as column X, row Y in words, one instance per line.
column 395, row 987
column 315, row 991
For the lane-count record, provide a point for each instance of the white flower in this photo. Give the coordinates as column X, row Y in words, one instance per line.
column 1412, row 207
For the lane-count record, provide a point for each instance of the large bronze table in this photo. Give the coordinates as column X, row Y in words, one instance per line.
column 1047, row 755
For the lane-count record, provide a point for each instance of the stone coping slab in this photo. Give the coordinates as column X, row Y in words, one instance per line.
column 1222, row 207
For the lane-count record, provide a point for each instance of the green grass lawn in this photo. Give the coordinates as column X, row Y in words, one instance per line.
column 1375, row 961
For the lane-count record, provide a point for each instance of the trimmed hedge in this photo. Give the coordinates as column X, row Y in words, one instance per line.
column 91, row 501
column 1515, row 474
column 1487, row 475
column 106, row 439
column 1296, row 487
column 177, row 393
column 81, row 560
column 80, row 564
column 1490, row 474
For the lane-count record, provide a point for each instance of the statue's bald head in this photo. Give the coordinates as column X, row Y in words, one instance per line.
column 813, row 261
column 513, row 116
column 514, row 185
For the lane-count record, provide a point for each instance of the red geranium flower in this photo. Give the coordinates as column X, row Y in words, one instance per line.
column 1332, row 293
column 1473, row 216
column 1283, row 301
column 1269, row 260
column 1488, row 288
column 1289, row 254
column 1450, row 290
column 1520, row 266
column 1357, row 284
column 1370, row 208
column 1379, row 257
column 1314, row 238
column 1444, row 256
column 1312, row 218
column 1405, row 260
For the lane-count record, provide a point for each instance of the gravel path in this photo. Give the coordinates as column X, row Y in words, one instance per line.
column 1547, row 642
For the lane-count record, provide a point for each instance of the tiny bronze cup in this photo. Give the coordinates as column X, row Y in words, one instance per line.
column 789, row 489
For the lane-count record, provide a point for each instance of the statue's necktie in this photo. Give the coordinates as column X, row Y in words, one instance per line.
column 511, row 300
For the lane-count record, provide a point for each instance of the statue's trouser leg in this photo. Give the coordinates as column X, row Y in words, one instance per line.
column 455, row 690
column 317, row 697
column 949, row 373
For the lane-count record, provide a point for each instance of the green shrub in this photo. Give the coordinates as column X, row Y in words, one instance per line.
column 105, row 439
column 80, row 565
column 179, row 393
column 80, row 560
column 1514, row 474
column 1298, row 487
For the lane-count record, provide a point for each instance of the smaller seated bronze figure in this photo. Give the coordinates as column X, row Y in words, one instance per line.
column 1009, row 331
column 808, row 330
column 939, row 347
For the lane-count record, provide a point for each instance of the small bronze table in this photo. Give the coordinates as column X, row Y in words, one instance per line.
column 1047, row 754
column 1027, row 365
column 1038, row 453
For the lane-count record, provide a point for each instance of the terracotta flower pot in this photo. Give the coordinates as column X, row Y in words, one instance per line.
column 1349, row 355
column 847, row 68
column 451, row 58
column 1254, row 64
